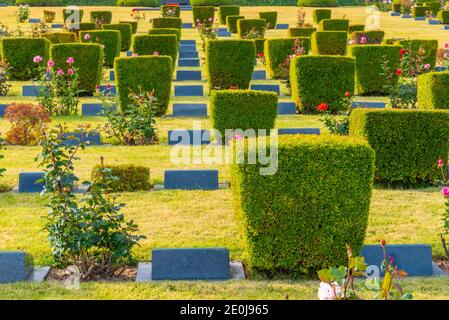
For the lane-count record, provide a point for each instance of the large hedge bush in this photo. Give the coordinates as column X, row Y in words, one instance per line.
column 60, row 37
column 245, row 26
column 104, row 16
column 135, row 3
column 164, row 44
column 83, row 26
column 430, row 48
column 321, row 79
column 432, row 90
column 225, row 70
column 369, row 63
column 203, row 14
column 443, row 16
column 165, row 31
column 407, row 143
column 271, row 18
column 300, row 219
column 134, row 25
column 88, row 60
column 147, row 73
column 167, row 22
column 419, row 11
column 225, row 11
column 277, row 50
column 321, row 14
column 126, row 31
column 329, row 42
column 19, row 52
column 129, row 177
column 110, row 39
column 242, row 109
column 231, row 22
column 301, row 32
column 40, row 3
column 433, row 6
column 356, row 27
column 334, row 25
column 372, row 37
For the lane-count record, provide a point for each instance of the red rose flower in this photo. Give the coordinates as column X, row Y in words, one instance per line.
column 383, row 242
column 398, row 72
column 260, row 55
column 322, row 107
column 347, row 94
column 402, row 52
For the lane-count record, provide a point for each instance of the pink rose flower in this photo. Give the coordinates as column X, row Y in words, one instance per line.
column 427, row 66
column 70, row 60
column 446, row 45
column 155, row 53
column 87, row 36
column 50, row 63
column 38, row 59
column 70, row 72
column 363, row 40
column 135, row 55
column 445, row 191
column 60, row 72
column 351, row 42
column 440, row 163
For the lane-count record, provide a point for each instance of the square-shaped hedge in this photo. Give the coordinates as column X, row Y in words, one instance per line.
column 430, row 48
column 369, row 62
column 103, row 16
column 129, row 177
column 88, row 60
column 83, row 26
column 60, row 37
column 134, row 25
column 278, row 49
column 432, row 90
column 203, row 14
column 443, row 16
column 225, row 70
column 245, row 26
column 407, row 143
column 433, row 6
column 176, row 32
column 372, row 37
column 147, row 72
column 300, row 219
column 271, row 18
column 171, row 11
column 126, row 31
column 334, row 25
column 164, row 44
column 19, row 52
column 321, row 79
column 356, row 27
column 329, row 42
column 167, row 22
column 419, row 11
column 301, row 32
column 231, row 22
column 227, row 10
column 242, row 109
column 320, row 14
column 110, row 39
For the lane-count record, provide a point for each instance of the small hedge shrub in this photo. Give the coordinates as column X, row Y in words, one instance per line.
column 225, row 11
column 142, row 3
column 419, row 11
column 278, row 49
column 83, row 26
column 372, row 37
column 356, row 27
column 125, row 30
column 245, row 26
column 407, row 143
column 231, row 22
column 430, row 48
column 298, row 220
column 203, row 14
column 321, row 14
column 68, row 12
column 129, row 177
column 329, row 42
column 214, row 3
column 396, row 5
column 60, row 37
column 242, row 109
column 147, row 72
column 19, row 52
column 165, row 31
column 443, row 16
column 369, row 62
column 432, row 90
column 301, row 32
column 225, row 70
column 433, row 6
column 110, row 39
column 271, row 18
column 321, row 79
column 88, row 60
column 318, row 3
column 167, row 22
column 134, row 25
column 165, row 44
column 165, row 9
column 104, row 16
column 334, row 25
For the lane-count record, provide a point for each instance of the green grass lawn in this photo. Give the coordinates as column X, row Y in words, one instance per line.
column 202, row 218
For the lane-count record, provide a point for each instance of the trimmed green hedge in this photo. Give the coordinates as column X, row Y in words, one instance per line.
column 167, row 22
column 298, row 220
column 19, row 52
column 260, row 46
column 126, row 31
column 88, row 60
column 277, row 50
column 69, row 12
column 318, row 3
column 443, row 16
column 242, row 109
column 147, row 72
column 372, row 37
column 106, row 16
column 271, row 18
column 225, row 70
column 245, row 26
column 432, row 90
column 407, row 143
column 329, row 42
column 231, row 22
column 224, row 11
column 214, row 3
column 430, row 47
column 165, row 44
column 369, row 62
column 83, row 26
column 419, row 11
column 433, row 6
column 142, row 3
column 110, row 39
column 129, row 177
column 301, row 32
column 396, row 6
column 39, row 3
column 165, row 9
column 334, row 25
column 356, row 27
column 203, row 14
column 134, row 25
column 321, row 79
column 321, row 14
column 176, row 32
column 60, row 37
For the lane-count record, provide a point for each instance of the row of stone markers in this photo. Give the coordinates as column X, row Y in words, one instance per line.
column 212, row 264
column 429, row 21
